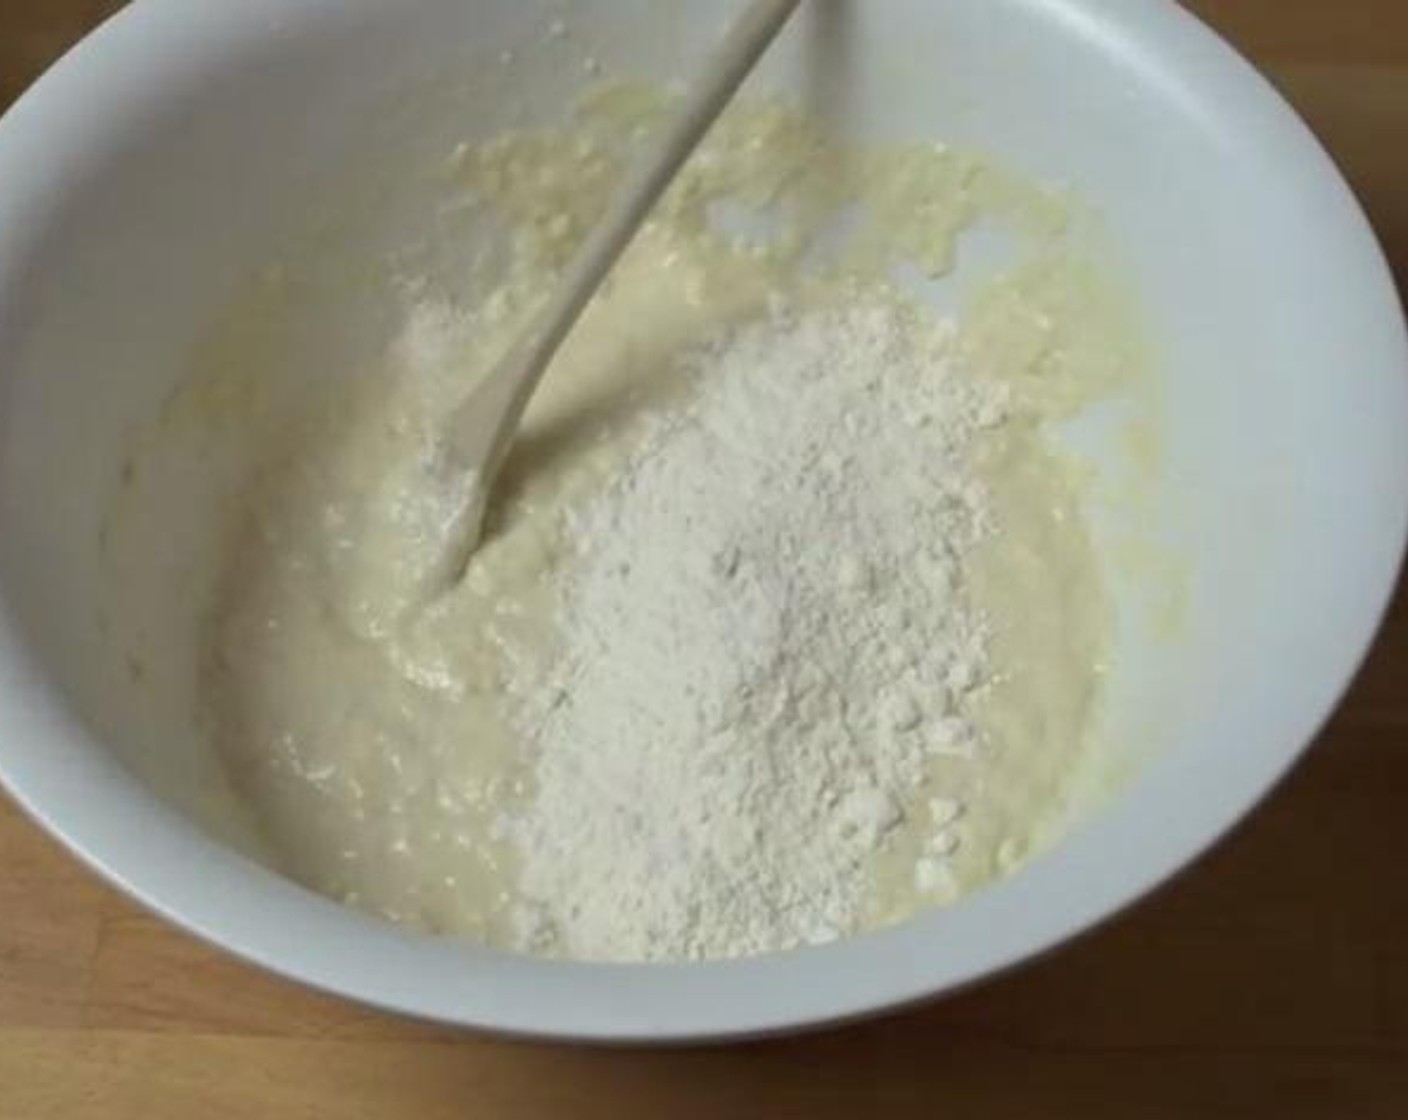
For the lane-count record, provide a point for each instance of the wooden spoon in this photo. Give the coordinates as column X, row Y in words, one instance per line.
column 482, row 427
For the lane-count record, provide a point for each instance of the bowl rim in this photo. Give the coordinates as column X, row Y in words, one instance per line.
column 150, row 852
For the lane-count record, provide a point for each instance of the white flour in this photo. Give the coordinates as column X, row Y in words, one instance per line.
column 765, row 642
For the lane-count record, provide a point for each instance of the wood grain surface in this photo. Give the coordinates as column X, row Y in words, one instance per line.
column 1270, row 981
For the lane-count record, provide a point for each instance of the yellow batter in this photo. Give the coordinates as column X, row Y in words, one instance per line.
column 358, row 705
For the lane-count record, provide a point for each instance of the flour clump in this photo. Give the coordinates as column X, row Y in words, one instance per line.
column 764, row 640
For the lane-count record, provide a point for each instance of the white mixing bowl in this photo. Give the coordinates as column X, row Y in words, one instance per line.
column 168, row 156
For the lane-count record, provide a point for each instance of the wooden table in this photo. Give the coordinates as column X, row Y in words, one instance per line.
column 1272, row 981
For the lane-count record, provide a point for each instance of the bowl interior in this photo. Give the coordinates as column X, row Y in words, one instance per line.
column 143, row 181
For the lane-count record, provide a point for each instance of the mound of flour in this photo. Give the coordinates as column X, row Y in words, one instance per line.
column 765, row 639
